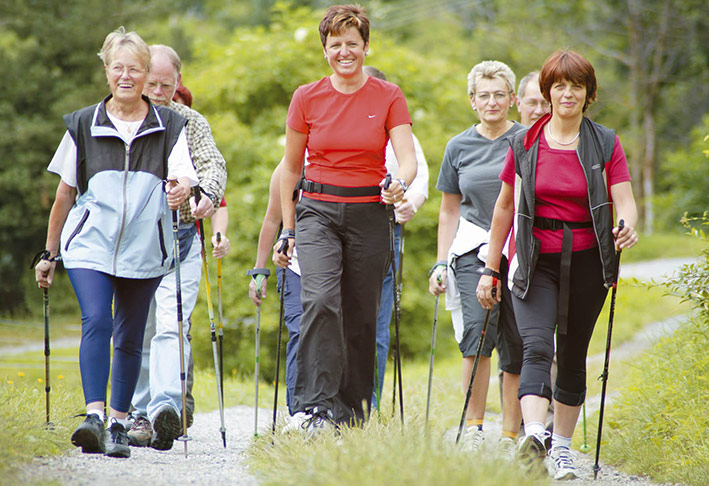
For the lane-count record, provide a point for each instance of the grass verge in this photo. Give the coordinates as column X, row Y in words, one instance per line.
column 660, row 425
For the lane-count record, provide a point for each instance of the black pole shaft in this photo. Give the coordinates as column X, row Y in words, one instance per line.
column 606, row 363
column 433, row 352
column 483, row 333
column 47, row 388
column 278, row 344
column 180, row 326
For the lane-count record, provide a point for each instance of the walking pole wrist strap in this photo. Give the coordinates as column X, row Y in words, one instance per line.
column 45, row 255
column 286, row 234
column 258, row 275
column 434, row 268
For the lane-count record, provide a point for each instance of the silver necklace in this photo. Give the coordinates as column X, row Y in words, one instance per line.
column 562, row 143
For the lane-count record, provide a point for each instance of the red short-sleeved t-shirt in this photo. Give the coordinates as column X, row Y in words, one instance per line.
column 561, row 191
column 347, row 133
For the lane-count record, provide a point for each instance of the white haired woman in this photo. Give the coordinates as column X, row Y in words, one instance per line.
column 469, row 182
column 111, row 221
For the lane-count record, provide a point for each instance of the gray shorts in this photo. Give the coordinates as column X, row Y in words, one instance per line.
column 502, row 330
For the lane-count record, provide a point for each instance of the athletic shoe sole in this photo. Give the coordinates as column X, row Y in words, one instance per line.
column 531, row 455
column 166, row 428
column 117, row 450
column 86, row 438
column 565, row 476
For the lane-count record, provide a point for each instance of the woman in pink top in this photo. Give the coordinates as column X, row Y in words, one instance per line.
column 340, row 224
column 561, row 181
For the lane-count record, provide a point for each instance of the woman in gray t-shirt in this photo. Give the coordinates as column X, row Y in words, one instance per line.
column 470, row 184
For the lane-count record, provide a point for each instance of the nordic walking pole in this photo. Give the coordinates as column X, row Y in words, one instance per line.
column 397, row 306
column 584, row 447
column 221, row 317
column 475, row 364
column 47, row 388
column 606, row 363
column 44, row 264
column 433, row 351
column 282, row 249
column 258, row 275
column 180, row 327
column 210, row 309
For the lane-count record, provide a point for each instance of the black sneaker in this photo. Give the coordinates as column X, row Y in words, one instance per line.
column 166, row 428
column 117, row 441
column 89, row 435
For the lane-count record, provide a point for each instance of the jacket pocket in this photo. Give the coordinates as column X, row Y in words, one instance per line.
column 161, row 240
column 78, row 228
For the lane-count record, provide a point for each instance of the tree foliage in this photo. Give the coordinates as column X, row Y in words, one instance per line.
column 243, row 60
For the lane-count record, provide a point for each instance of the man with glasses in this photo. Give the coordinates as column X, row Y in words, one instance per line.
column 530, row 102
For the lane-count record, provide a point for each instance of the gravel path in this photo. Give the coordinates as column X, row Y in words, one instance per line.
column 208, row 463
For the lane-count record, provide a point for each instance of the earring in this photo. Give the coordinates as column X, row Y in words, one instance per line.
column 325, row 56
column 475, row 108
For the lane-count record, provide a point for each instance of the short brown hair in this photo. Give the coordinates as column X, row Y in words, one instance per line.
column 338, row 18
column 571, row 66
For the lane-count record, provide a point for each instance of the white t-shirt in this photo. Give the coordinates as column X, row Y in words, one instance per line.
column 179, row 162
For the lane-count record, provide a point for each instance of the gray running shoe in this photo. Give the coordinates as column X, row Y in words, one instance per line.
column 116, row 441
column 166, row 427
column 141, row 432
column 89, row 435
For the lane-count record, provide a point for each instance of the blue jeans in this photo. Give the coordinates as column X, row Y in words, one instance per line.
column 292, row 310
column 111, row 307
column 386, row 306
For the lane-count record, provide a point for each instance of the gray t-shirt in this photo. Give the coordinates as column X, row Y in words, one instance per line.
column 470, row 167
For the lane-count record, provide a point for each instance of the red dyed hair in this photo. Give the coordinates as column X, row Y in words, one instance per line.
column 571, row 66
column 184, row 93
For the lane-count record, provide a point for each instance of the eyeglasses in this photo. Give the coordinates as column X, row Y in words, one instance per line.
column 152, row 86
column 498, row 95
column 119, row 69
column 535, row 104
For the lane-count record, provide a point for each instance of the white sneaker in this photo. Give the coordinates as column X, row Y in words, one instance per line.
column 473, row 439
column 295, row 423
column 563, row 460
column 507, row 447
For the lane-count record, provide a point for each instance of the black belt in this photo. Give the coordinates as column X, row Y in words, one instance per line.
column 565, row 270
column 320, row 188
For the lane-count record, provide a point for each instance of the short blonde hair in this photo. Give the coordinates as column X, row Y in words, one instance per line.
column 490, row 70
column 130, row 41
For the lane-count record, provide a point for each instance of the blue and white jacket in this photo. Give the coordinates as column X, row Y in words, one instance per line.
column 120, row 223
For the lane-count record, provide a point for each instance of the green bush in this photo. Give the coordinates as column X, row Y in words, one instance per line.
column 660, row 426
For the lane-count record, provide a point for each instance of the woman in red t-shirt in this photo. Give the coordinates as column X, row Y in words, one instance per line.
column 555, row 190
column 340, row 224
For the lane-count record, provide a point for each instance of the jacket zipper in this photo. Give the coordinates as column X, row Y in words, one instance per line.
column 593, row 218
column 124, row 209
column 78, row 228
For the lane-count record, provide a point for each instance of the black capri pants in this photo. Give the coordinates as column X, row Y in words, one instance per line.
column 536, row 319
